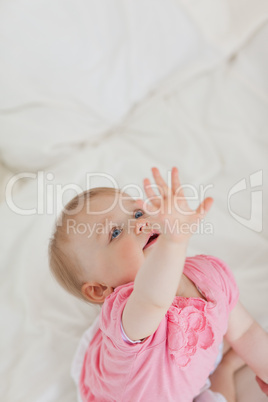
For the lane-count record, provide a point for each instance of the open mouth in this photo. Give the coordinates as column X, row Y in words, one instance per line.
column 152, row 239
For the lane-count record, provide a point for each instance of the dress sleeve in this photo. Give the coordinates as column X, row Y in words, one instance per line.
column 125, row 337
column 227, row 280
column 111, row 318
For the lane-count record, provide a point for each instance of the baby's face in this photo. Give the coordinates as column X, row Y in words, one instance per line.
column 111, row 250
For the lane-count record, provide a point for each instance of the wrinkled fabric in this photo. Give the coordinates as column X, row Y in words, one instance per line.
column 188, row 329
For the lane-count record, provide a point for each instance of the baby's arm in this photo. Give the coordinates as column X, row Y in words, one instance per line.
column 155, row 287
column 249, row 340
column 157, row 280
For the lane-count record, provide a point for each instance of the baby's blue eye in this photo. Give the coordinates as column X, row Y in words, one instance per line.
column 138, row 214
column 115, row 233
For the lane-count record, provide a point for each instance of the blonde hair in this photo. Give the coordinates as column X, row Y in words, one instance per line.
column 62, row 260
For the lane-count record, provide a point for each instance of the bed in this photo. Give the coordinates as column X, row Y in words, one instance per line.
column 94, row 90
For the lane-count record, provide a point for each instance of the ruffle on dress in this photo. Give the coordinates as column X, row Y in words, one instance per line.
column 188, row 329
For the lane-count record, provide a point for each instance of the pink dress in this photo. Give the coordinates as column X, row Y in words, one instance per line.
column 172, row 364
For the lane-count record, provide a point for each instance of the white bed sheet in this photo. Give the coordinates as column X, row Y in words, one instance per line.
column 205, row 113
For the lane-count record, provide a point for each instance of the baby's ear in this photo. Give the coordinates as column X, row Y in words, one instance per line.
column 95, row 292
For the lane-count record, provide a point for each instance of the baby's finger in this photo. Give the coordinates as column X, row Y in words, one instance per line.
column 204, row 207
column 146, row 206
column 153, row 199
column 149, row 189
column 160, row 181
column 151, row 204
column 175, row 182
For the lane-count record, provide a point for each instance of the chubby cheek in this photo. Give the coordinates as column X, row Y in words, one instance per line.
column 130, row 255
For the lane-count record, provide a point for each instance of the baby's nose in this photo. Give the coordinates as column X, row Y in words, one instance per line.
column 141, row 226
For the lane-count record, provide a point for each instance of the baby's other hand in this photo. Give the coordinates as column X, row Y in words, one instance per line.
column 177, row 220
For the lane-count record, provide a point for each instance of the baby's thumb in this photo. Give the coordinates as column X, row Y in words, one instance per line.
column 205, row 206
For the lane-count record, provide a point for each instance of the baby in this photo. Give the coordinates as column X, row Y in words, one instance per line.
column 164, row 315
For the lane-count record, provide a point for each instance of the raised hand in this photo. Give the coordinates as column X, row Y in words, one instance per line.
column 176, row 219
